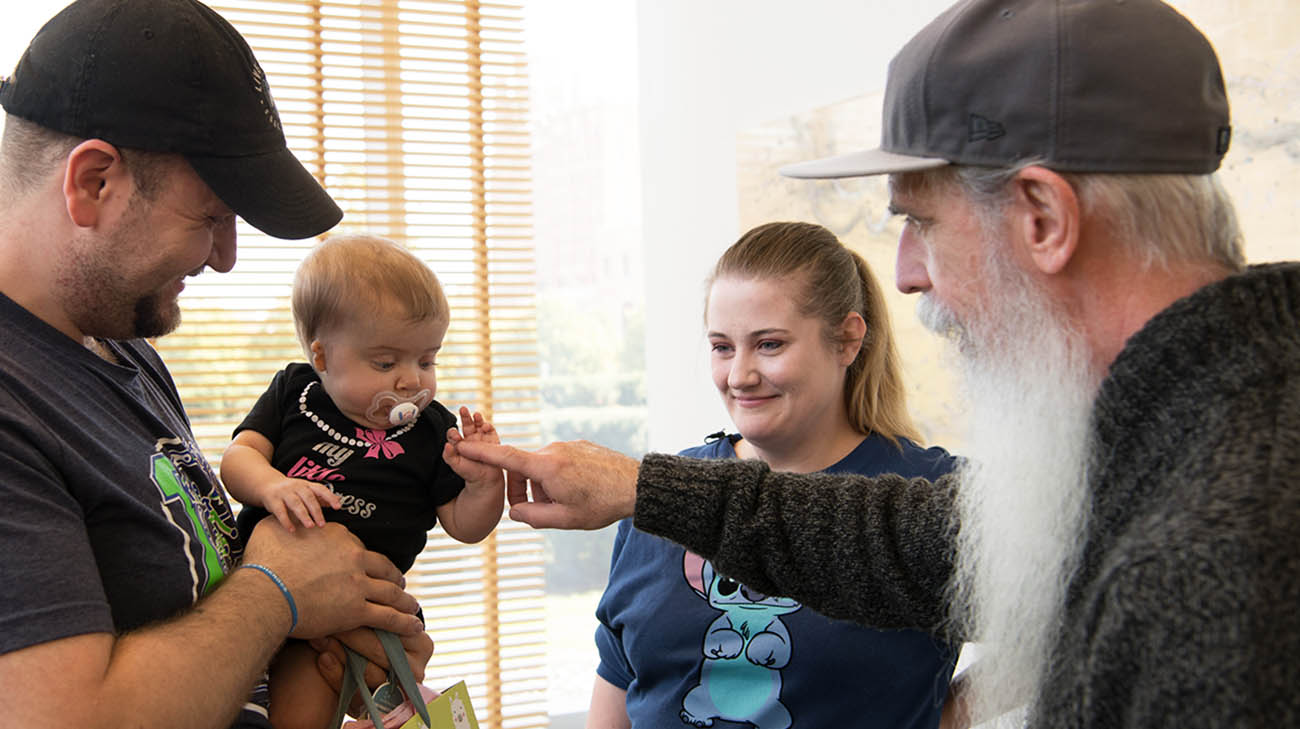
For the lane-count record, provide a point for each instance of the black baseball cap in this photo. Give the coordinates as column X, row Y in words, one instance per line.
column 171, row 76
column 1080, row 85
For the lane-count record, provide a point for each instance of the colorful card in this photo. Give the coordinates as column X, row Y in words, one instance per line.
column 451, row 710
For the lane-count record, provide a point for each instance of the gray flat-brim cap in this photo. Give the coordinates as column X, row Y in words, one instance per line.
column 1079, row 85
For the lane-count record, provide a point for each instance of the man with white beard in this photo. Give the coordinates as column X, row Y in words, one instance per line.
column 1123, row 536
column 1023, row 495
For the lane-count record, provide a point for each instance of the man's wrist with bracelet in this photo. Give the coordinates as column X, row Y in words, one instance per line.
column 284, row 590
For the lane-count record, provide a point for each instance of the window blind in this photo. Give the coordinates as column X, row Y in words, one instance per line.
column 413, row 114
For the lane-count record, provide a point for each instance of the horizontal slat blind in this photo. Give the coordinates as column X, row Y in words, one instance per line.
column 413, row 114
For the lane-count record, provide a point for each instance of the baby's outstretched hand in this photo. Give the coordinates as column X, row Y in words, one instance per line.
column 474, row 428
column 296, row 497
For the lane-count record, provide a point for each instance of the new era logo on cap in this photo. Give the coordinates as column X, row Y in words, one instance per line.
column 982, row 129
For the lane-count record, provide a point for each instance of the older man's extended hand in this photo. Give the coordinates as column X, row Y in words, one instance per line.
column 565, row 485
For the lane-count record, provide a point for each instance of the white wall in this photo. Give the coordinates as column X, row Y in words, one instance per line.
column 709, row 69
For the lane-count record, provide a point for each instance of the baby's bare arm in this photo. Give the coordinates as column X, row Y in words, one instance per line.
column 248, row 475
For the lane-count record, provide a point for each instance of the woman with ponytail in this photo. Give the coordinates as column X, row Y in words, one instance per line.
column 804, row 359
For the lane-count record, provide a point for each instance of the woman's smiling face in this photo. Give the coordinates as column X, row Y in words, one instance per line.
column 781, row 380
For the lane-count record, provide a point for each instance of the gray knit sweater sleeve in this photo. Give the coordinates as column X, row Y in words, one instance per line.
column 874, row 550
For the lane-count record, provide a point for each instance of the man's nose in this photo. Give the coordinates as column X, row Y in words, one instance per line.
column 222, row 257
column 910, row 274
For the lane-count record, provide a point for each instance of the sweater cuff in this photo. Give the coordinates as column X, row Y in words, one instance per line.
column 685, row 499
column 656, row 497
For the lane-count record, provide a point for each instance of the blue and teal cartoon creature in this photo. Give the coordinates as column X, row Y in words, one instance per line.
column 744, row 652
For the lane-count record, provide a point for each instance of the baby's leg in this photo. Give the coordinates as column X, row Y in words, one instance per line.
column 300, row 697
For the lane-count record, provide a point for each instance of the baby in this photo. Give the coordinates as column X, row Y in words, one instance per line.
column 356, row 429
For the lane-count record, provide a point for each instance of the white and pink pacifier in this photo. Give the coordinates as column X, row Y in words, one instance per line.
column 400, row 410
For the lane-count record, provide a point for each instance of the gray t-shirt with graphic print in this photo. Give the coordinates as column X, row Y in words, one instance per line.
column 111, row 517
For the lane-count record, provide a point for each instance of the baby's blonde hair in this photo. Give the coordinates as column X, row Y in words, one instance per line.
column 351, row 278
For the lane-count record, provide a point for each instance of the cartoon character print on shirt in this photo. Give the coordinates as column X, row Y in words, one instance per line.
column 197, row 508
column 744, row 651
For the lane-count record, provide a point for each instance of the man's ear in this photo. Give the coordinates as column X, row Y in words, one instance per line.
column 93, row 176
column 317, row 355
column 1046, row 218
column 852, row 332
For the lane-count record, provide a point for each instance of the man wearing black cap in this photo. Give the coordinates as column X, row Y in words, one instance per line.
column 1123, row 536
column 136, row 131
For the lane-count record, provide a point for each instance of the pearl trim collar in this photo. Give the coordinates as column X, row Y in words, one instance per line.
column 331, row 432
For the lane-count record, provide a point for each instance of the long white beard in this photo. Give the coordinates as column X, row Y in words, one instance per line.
column 1023, row 496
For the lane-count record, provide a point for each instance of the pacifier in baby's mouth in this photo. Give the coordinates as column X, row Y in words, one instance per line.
column 399, row 409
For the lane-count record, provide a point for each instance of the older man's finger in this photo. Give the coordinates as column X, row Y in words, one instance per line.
column 516, row 488
column 502, row 456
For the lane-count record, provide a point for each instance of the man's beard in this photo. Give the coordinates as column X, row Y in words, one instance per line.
column 1023, row 497
column 155, row 315
column 108, row 305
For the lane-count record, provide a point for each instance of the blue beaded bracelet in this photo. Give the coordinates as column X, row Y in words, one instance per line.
column 288, row 597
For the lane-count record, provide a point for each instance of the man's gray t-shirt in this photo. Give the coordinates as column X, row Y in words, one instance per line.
column 111, row 518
